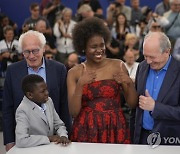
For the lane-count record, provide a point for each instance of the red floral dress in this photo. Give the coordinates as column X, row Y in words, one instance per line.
column 101, row 118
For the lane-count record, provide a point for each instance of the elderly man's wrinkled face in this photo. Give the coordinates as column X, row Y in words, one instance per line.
column 32, row 51
column 153, row 54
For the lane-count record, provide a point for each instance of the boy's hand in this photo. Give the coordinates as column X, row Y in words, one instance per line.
column 53, row 138
column 57, row 139
column 64, row 141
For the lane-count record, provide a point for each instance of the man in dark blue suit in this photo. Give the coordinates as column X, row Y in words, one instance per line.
column 158, row 86
column 54, row 73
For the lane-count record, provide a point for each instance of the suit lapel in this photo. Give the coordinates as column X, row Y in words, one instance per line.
column 49, row 72
column 169, row 78
column 143, row 78
column 23, row 71
column 48, row 114
column 142, row 85
column 37, row 111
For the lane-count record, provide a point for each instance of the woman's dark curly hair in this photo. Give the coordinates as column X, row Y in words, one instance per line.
column 86, row 29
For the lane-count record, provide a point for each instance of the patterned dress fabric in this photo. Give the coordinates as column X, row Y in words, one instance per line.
column 101, row 118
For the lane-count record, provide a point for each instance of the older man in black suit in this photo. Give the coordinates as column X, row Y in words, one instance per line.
column 158, row 86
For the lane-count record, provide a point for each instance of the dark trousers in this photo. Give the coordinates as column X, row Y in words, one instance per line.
column 144, row 135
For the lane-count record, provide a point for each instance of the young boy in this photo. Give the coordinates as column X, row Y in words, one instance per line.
column 37, row 122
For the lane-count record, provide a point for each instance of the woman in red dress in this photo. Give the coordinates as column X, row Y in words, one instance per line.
column 94, row 88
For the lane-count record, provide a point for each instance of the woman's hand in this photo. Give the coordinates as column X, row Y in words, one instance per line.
column 87, row 77
column 128, row 88
column 122, row 77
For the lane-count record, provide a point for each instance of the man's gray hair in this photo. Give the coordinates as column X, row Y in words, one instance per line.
column 66, row 9
column 172, row 1
column 164, row 41
column 39, row 35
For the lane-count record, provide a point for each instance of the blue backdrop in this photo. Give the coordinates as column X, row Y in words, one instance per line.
column 18, row 10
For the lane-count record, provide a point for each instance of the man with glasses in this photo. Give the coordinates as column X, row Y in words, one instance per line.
column 54, row 73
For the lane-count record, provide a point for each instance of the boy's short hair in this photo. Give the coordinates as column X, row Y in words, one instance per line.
column 29, row 82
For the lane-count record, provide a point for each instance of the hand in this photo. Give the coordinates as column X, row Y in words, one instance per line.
column 67, row 35
column 122, row 77
column 146, row 102
column 64, row 141
column 54, row 6
column 9, row 146
column 6, row 54
column 53, row 138
column 108, row 45
column 87, row 77
column 112, row 7
column 57, row 139
column 60, row 22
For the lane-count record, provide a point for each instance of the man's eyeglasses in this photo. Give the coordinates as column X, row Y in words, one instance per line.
column 34, row 52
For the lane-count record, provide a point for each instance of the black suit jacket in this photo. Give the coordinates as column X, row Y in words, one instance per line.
column 12, row 94
column 166, row 112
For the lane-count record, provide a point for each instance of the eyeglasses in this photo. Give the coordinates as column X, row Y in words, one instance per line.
column 34, row 52
column 176, row 5
column 156, row 27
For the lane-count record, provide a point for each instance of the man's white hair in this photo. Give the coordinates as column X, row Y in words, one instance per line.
column 39, row 35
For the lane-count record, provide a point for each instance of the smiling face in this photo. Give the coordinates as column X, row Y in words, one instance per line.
column 153, row 55
column 39, row 94
column 95, row 49
column 41, row 26
column 30, row 43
